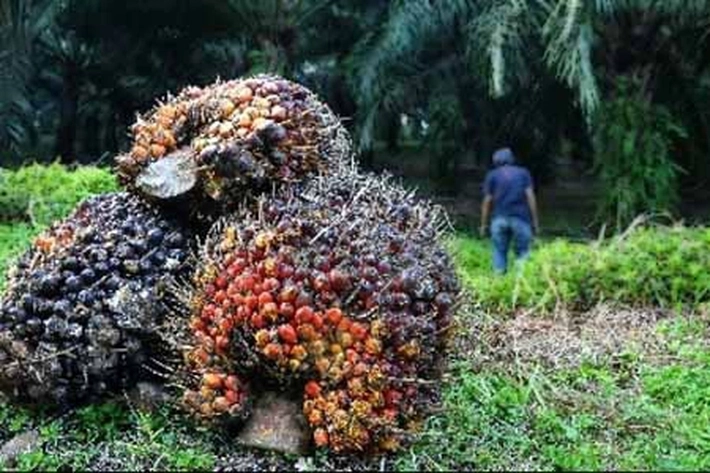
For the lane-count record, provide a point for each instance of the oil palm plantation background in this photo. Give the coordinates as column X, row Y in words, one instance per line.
column 621, row 86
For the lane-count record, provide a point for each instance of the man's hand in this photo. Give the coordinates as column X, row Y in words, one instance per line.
column 482, row 231
column 485, row 211
column 532, row 204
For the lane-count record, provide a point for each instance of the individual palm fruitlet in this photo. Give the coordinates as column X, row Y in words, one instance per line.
column 231, row 139
column 81, row 305
column 341, row 291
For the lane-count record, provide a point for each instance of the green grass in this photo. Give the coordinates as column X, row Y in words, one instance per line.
column 656, row 266
column 111, row 434
column 34, row 196
column 626, row 411
column 41, row 194
column 629, row 416
column 13, row 239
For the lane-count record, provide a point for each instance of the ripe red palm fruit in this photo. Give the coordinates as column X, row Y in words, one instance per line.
column 312, row 389
column 288, row 334
column 357, row 313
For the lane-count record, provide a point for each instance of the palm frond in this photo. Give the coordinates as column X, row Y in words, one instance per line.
column 498, row 33
column 415, row 39
column 569, row 39
column 21, row 24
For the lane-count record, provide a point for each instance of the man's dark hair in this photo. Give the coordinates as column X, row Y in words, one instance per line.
column 503, row 156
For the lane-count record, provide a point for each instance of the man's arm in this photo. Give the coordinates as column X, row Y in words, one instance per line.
column 485, row 212
column 532, row 203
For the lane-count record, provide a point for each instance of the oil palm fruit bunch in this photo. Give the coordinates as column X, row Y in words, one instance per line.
column 230, row 139
column 341, row 291
column 81, row 304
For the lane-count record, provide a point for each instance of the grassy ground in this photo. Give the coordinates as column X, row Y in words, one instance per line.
column 558, row 379
column 623, row 408
column 591, row 357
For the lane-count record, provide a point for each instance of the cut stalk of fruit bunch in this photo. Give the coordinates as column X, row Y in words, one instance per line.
column 342, row 291
column 231, row 139
column 82, row 303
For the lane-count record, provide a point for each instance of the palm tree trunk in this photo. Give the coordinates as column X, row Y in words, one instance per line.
column 68, row 115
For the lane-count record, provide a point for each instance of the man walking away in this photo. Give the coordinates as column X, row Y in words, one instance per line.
column 508, row 190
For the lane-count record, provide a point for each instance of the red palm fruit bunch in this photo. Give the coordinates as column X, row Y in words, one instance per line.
column 341, row 290
column 232, row 138
column 81, row 305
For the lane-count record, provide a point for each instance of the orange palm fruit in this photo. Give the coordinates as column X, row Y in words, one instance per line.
column 221, row 342
column 270, row 310
column 265, row 298
column 373, row 346
column 157, row 151
column 262, row 337
column 231, row 396
column 260, row 123
column 345, row 339
column 258, row 321
column 139, row 152
column 244, row 121
column 286, row 309
column 335, row 348
column 317, row 321
column 315, row 417
column 206, row 409
column 244, row 94
column 299, row 352
column 225, row 129
column 304, row 314
column 227, row 107
column 322, row 365
column 358, row 331
column 278, row 113
column 221, row 404
column 273, row 351
column 320, row 437
column 334, row 316
column 251, row 112
column 307, row 332
column 344, row 325
column 389, row 443
column 317, row 347
column 212, row 380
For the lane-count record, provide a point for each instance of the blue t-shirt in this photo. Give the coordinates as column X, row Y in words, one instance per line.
column 506, row 185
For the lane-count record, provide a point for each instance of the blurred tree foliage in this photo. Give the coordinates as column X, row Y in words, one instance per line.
column 468, row 75
column 633, row 142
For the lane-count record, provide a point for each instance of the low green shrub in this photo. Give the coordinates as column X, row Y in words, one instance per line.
column 13, row 238
column 40, row 194
column 662, row 266
column 32, row 197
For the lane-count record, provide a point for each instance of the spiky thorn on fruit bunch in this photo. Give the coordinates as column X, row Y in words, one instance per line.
column 81, row 305
column 342, row 290
column 231, row 139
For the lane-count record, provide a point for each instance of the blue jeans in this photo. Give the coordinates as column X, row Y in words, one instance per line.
column 503, row 231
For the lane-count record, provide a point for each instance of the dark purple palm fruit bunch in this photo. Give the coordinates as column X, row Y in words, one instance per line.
column 231, row 139
column 340, row 292
column 81, row 306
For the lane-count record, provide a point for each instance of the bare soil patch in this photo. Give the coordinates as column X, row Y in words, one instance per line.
column 566, row 339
